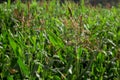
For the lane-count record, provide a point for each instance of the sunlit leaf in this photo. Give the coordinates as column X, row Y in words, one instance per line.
column 55, row 40
column 10, row 77
column 13, row 45
column 111, row 42
column 23, row 67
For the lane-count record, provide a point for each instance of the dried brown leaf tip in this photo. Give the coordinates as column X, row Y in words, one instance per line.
column 13, row 71
column 28, row 6
column 108, row 5
column 42, row 21
column 16, row 13
column 70, row 11
column 65, row 21
column 80, row 20
column 118, row 54
column 75, row 24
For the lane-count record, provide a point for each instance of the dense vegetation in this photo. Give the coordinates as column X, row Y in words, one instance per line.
column 49, row 41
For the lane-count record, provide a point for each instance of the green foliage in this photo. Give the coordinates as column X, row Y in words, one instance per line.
column 47, row 41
